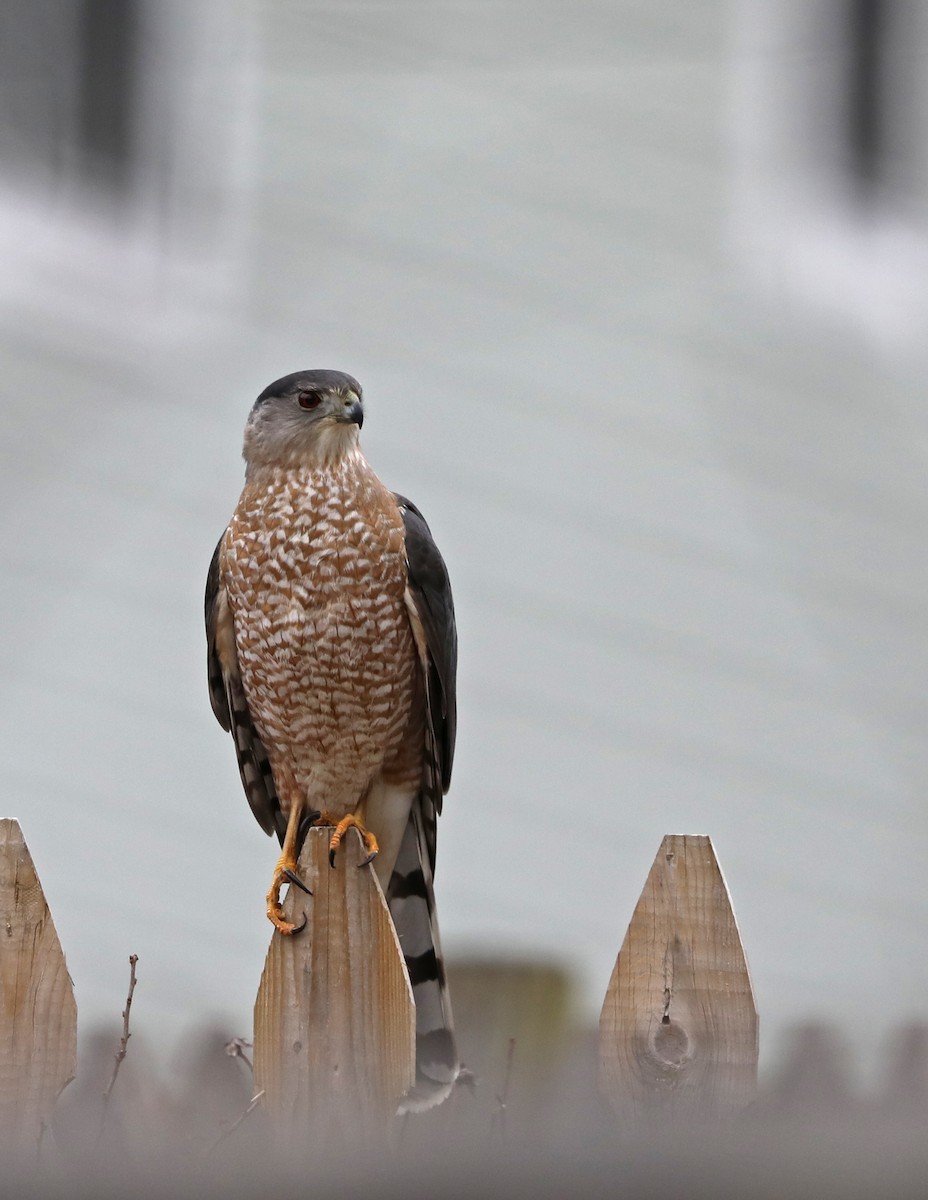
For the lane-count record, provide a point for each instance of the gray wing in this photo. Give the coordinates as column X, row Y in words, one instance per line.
column 430, row 591
column 227, row 697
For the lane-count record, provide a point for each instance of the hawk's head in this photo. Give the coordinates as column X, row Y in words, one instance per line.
column 307, row 418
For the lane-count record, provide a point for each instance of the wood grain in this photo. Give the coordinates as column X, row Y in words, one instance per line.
column 38, row 1015
column 679, row 1027
column 334, row 1016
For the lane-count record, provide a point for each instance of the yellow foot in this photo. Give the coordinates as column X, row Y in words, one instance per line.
column 285, row 872
column 370, row 842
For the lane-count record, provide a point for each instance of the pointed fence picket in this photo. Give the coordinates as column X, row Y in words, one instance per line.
column 335, row 1021
column 679, row 1026
column 38, row 1015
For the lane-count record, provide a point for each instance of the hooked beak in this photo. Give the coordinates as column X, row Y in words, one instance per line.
column 353, row 412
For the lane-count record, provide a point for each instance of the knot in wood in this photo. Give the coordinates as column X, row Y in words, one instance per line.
column 670, row 1043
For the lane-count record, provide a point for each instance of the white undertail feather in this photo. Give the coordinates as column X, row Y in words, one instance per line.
column 386, row 809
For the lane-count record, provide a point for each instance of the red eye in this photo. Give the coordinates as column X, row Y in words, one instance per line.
column 309, row 399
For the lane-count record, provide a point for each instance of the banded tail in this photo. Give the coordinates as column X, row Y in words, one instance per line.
column 411, row 900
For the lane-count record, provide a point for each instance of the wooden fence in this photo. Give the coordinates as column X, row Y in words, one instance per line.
column 334, row 1022
column 675, row 1054
column 676, row 1051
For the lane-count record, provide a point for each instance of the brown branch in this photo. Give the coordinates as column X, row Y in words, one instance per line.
column 123, row 1045
column 236, row 1049
column 253, row 1104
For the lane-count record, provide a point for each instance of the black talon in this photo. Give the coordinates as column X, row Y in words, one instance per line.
column 306, row 823
column 300, row 927
column 294, row 878
column 367, row 862
column 331, row 857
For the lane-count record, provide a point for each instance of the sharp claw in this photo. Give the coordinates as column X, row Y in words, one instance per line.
column 294, row 878
column 368, row 840
column 283, row 926
column 307, row 821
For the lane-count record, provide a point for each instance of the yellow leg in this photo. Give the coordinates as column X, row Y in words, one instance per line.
column 286, row 872
column 349, row 822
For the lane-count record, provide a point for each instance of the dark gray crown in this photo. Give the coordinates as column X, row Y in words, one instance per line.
column 324, row 381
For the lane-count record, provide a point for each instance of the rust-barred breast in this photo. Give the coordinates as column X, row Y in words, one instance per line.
column 315, row 568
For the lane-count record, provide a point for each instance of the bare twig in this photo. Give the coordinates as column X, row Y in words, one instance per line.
column 498, row 1119
column 236, row 1049
column 253, row 1104
column 123, row 1045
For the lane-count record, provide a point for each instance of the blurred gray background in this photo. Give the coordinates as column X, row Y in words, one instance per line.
column 637, row 293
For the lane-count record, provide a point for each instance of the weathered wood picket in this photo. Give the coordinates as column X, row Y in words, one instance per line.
column 38, row 1015
column 334, row 1017
column 678, row 1031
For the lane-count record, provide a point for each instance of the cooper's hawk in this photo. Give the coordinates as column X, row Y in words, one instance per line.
column 332, row 653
